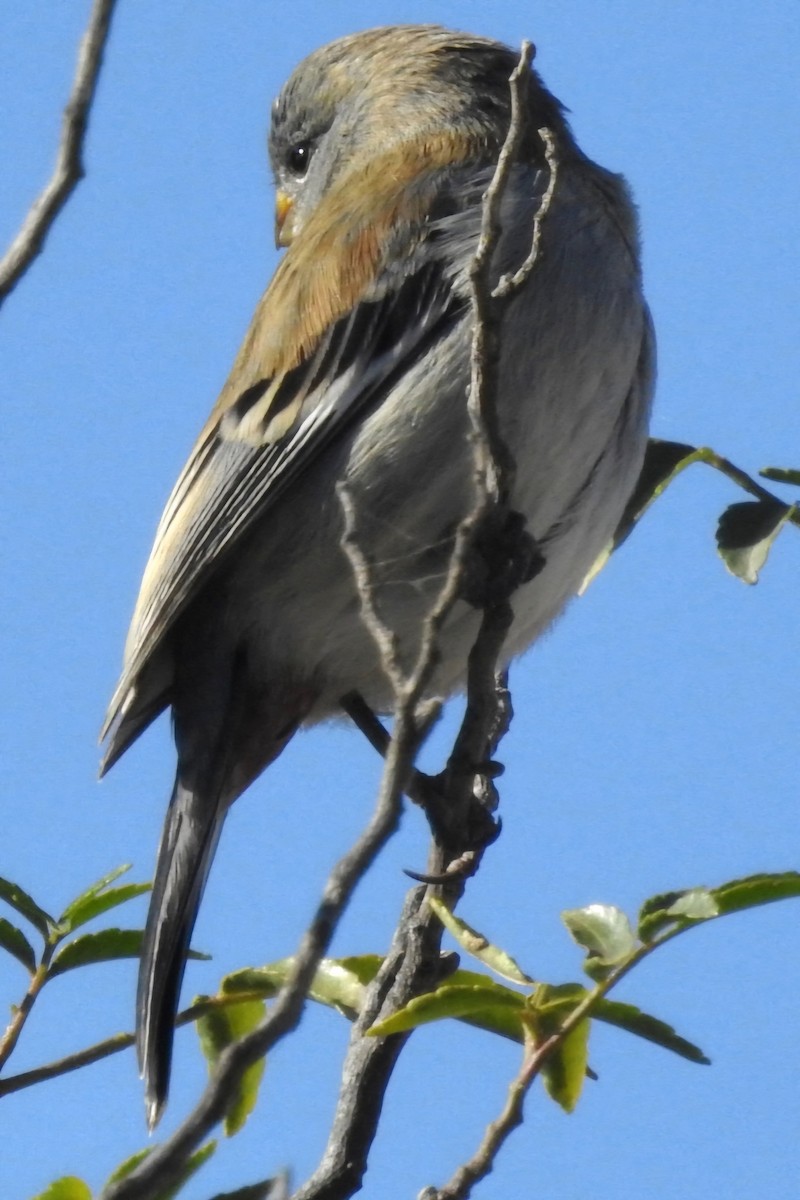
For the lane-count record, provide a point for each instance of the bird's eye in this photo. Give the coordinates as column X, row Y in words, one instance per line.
column 298, row 158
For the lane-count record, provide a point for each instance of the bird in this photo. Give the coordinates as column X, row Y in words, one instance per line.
column 354, row 372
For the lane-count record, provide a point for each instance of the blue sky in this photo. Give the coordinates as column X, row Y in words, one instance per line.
column 655, row 742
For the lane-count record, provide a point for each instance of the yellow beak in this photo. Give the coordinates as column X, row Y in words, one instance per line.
column 284, row 228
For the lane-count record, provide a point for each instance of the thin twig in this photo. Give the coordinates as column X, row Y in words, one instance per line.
column 70, row 1062
column 116, row 1043
column 419, row 786
column 494, row 465
column 415, row 953
column 385, row 638
column 22, row 1011
column 69, row 168
column 746, row 482
column 499, row 1130
column 162, row 1167
column 508, row 284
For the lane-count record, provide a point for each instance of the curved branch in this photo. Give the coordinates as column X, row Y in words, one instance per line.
column 69, row 168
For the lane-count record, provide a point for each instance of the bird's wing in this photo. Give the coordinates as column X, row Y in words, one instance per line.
column 320, row 351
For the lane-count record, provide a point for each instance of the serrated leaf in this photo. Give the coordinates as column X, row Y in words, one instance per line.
column 564, row 1071
column 104, row 946
column 479, row 946
column 14, row 941
column 26, row 906
column 603, row 930
column 754, row 890
column 87, row 907
column 191, row 1166
column 101, row 884
column 782, row 475
column 217, row 1030
column 745, row 534
column 672, row 909
column 633, row 1020
column 452, row 1000
column 501, row 1020
column 69, row 1187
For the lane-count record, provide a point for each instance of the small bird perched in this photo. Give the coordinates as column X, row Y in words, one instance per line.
column 356, row 368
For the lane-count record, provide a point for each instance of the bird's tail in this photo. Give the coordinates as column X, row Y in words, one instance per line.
column 191, row 832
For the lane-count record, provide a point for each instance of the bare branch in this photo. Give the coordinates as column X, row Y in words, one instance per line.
column 512, row 283
column 385, row 639
column 415, row 963
column 115, row 1043
column 70, row 1062
column 161, row 1168
column 498, row 1130
column 69, row 168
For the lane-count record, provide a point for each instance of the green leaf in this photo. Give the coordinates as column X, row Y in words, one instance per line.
column 695, row 904
column 127, row 1166
column 26, row 906
column 337, row 983
column 478, row 1001
column 605, row 933
column 104, row 946
column 673, row 910
column 501, row 1019
column 191, row 1166
column 555, row 1001
column 87, row 907
column 633, row 1020
column 676, row 910
column 755, row 890
column 746, row 532
column 264, row 982
column 217, row 1030
column 14, row 941
column 363, row 966
column 478, row 946
column 101, row 884
column 653, row 915
column 782, row 475
column 69, row 1187
column 564, row 1071
column 663, row 462
column 340, row 986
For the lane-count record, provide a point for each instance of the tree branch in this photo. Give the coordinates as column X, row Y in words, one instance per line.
column 161, row 1168
column 415, row 963
column 69, row 168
